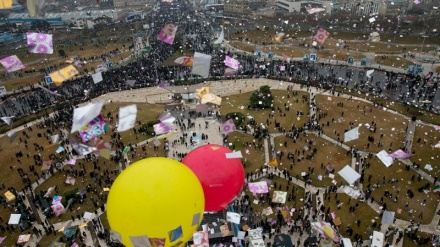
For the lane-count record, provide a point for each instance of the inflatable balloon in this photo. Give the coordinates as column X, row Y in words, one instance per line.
column 155, row 197
column 221, row 178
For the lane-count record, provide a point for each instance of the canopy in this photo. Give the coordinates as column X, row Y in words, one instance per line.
column 349, row 174
column 9, row 196
column 347, row 242
column 387, row 218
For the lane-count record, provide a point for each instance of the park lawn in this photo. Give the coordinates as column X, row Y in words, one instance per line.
column 397, row 170
column 240, row 102
column 297, row 203
column 289, row 51
column 146, row 113
column 425, row 152
column 326, row 153
column 118, row 58
column 392, row 126
column 18, row 82
column 340, row 55
column 393, row 61
column 255, row 159
column 364, row 213
column 408, row 110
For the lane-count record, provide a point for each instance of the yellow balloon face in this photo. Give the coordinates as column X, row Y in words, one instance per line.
column 156, row 197
column 328, row 231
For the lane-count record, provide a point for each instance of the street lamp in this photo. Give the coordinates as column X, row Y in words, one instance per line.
column 423, row 43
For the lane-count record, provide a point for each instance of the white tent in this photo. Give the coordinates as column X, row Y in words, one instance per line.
column 349, row 174
column 386, row 159
column 351, row 135
column 388, row 218
column 14, row 219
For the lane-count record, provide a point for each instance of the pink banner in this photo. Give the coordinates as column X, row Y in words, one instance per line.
column 320, row 36
column 12, row 63
column 58, row 209
column 162, row 128
column 39, row 43
column 258, row 187
column 167, row 33
column 231, row 63
column 400, row 154
column 228, row 127
column 93, row 129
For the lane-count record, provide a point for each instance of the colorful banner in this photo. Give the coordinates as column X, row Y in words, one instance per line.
column 59, row 76
column 231, row 63
column 326, row 230
column 12, row 63
column 228, row 127
column 39, row 43
column 127, row 117
column 258, row 187
column 286, row 58
column 185, row 61
column 201, row 64
column 93, row 129
column 167, row 33
column 279, row 196
column 320, row 36
column 81, row 148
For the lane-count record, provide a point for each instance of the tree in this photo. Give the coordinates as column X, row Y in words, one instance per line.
column 262, row 98
column 62, row 53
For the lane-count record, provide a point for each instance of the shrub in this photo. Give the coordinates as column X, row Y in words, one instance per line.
column 237, row 117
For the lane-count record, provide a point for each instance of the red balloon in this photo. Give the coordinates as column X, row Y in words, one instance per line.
column 221, row 178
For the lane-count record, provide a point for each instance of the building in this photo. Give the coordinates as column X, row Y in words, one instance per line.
column 297, row 6
column 113, row 14
column 365, row 8
column 242, row 7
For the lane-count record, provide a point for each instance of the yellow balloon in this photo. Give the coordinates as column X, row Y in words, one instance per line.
column 157, row 197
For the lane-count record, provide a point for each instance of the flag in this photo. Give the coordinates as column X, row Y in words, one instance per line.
column 201, row 64
column 228, row 127
column 93, row 129
column 59, row 76
column 5, row 4
column 167, row 33
column 211, row 98
column 351, row 134
column 81, row 148
column 233, row 217
column 320, row 36
column 272, row 163
column 185, row 61
column 400, row 154
column 315, row 10
column 39, row 43
column 163, row 84
column 12, row 63
column 71, row 161
column 8, row 120
column 436, row 189
column 97, row 78
column 126, row 150
column 286, row 58
column 127, row 117
column 231, row 63
column 279, row 196
column 84, row 115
